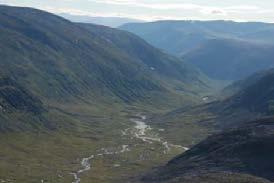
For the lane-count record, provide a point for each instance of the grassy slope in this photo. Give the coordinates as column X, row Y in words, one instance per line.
column 158, row 62
column 57, row 60
column 89, row 89
column 67, row 60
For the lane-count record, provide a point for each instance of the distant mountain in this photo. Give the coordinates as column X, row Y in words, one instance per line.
column 244, row 154
column 178, row 37
column 230, row 59
column 223, row 50
column 60, row 61
column 106, row 21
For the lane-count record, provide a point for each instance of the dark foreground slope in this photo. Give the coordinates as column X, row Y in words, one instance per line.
column 241, row 151
column 231, row 156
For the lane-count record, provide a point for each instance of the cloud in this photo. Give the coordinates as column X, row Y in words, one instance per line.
column 151, row 10
column 157, row 6
column 204, row 9
column 170, row 6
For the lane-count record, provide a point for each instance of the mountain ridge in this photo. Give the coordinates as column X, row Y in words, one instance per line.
column 186, row 35
column 223, row 50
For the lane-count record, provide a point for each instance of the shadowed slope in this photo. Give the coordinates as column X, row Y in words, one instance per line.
column 233, row 153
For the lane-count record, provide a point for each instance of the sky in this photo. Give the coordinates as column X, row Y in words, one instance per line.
column 151, row 10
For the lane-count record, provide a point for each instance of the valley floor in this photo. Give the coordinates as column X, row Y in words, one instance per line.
column 113, row 149
column 141, row 134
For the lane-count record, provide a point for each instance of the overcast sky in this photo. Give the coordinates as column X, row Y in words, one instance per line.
column 238, row 10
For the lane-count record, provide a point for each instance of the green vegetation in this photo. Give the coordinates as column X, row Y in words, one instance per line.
column 51, row 155
column 68, row 90
column 58, row 61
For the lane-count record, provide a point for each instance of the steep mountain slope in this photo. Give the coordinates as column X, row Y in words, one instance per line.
column 178, row 37
column 44, row 47
column 226, row 157
column 14, row 97
column 231, row 59
column 78, row 88
column 55, row 57
column 156, row 61
column 17, row 105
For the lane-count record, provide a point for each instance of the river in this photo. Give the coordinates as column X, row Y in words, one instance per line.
column 140, row 130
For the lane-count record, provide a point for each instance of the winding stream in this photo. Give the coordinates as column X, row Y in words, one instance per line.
column 140, row 131
column 86, row 162
column 144, row 132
